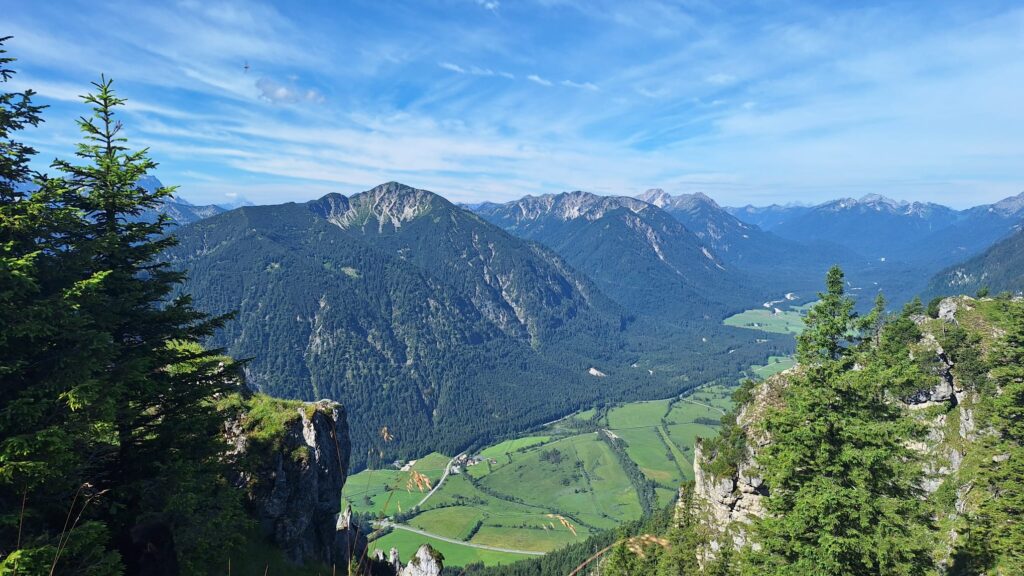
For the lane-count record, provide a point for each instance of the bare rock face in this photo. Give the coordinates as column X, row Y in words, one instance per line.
column 426, row 562
column 731, row 504
column 293, row 485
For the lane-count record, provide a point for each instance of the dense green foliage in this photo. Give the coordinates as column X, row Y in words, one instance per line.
column 996, row 529
column 844, row 485
column 107, row 430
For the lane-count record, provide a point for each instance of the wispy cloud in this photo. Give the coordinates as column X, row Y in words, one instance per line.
column 538, row 80
column 491, row 5
column 473, row 70
column 582, row 85
column 720, row 79
column 794, row 103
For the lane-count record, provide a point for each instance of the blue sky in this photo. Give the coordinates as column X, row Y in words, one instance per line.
column 755, row 102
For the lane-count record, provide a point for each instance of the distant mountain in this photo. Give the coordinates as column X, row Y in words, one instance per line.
column 701, row 215
column 237, row 202
column 768, row 217
column 420, row 315
column 975, row 230
column 874, row 226
column 182, row 213
column 779, row 264
column 999, row 268
column 635, row 252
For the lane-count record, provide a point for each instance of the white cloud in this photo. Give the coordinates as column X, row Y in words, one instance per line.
column 539, row 80
column 472, row 70
column 452, row 67
column 582, row 85
column 654, row 94
column 276, row 92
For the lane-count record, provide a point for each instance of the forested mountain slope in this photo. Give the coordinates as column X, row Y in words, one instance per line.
column 421, row 316
column 999, row 268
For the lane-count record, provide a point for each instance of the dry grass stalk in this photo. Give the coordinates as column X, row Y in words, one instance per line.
column 420, row 481
column 564, row 522
column 638, row 544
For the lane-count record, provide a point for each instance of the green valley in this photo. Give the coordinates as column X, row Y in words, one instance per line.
column 539, row 492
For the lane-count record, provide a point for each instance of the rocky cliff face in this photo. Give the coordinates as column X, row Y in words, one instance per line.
column 293, row 461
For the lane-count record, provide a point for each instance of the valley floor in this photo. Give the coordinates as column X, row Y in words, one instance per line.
column 514, row 495
column 587, row 472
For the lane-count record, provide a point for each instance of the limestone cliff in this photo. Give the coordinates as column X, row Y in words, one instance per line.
column 292, row 461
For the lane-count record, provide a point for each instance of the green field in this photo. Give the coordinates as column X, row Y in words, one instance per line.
column 586, row 482
column 541, row 538
column 450, row 522
column 507, row 500
column 503, row 452
column 640, row 425
column 454, row 554
column 775, row 365
column 385, row 491
column 779, row 322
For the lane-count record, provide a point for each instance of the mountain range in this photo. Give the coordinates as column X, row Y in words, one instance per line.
column 880, row 228
column 452, row 326
column 429, row 320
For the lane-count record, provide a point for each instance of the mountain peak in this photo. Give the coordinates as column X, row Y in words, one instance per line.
column 389, row 203
column 1010, row 206
column 656, row 196
column 663, row 199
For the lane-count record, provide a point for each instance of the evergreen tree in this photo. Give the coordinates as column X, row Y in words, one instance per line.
column 110, row 439
column 152, row 385
column 45, row 494
column 993, row 544
column 844, row 486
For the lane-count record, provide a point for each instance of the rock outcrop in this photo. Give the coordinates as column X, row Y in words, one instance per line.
column 426, row 562
column 293, row 476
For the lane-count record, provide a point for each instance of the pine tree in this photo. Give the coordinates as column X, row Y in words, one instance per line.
column 844, row 487
column 152, row 385
column 45, row 496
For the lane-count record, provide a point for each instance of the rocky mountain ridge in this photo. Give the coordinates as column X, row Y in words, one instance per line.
column 638, row 254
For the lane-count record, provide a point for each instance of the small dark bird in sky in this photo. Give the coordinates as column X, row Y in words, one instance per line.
column 246, row 67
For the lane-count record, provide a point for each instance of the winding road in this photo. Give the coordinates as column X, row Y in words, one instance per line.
column 407, row 528
column 447, row 470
